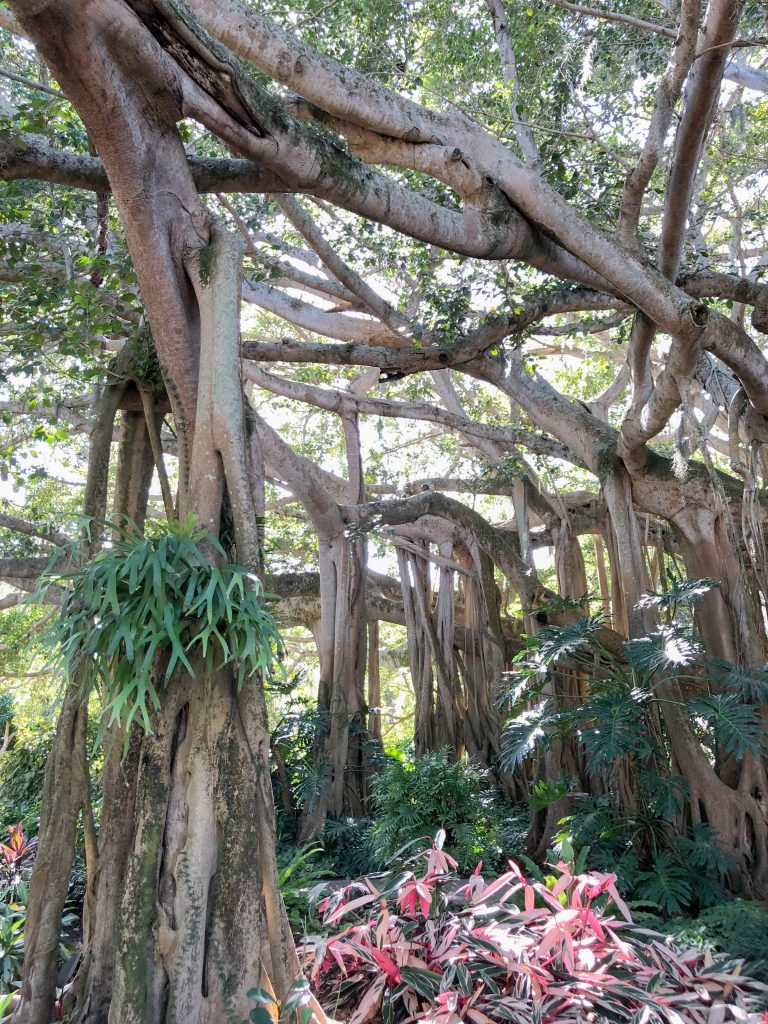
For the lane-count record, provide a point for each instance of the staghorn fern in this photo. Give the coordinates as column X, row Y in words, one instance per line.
column 146, row 606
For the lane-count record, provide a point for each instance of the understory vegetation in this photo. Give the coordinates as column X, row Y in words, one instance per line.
column 626, row 842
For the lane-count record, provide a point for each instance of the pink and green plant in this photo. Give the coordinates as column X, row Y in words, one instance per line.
column 435, row 949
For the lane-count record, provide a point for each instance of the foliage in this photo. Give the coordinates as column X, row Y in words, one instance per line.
column 653, row 861
column 736, row 726
column 299, row 870
column 22, row 773
column 294, row 749
column 617, row 725
column 426, row 947
column 13, row 854
column 16, row 856
column 348, row 847
column 412, row 800
column 143, row 599
column 12, row 920
column 737, row 929
column 588, row 107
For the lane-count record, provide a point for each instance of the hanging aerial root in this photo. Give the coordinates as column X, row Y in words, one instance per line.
column 221, row 451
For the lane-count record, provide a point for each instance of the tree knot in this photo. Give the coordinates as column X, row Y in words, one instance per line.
column 698, row 313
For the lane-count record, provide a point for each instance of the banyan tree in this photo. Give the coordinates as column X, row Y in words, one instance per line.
column 471, row 295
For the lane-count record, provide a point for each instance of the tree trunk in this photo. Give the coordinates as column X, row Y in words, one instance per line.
column 89, row 999
column 414, row 573
column 201, row 918
column 341, row 650
column 66, row 788
column 482, row 660
column 374, row 683
column 64, row 792
column 736, row 809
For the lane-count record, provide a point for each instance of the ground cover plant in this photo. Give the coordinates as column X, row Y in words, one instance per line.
column 429, row 946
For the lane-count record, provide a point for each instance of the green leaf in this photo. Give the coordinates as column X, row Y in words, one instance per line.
column 260, row 1015
column 544, row 794
column 668, row 793
column 425, row 982
column 261, row 995
column 751, row 684
column 684, row 592
column 612, row 726
column 667, row 885
column 142, row 597
column 523, row 733
column 738, row 727
column 669, row 650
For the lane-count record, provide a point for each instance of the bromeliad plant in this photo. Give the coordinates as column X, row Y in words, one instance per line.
column 431, row 948
column 158, row 599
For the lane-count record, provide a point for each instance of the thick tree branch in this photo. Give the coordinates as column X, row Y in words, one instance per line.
column 667, row 94
column 504, row 41
column 342, row 326
column 23, row 155
column 699, row 105
column 306, row 226
column 18, row 525
column 335, row 401
column 624, row 19
column 500, row 545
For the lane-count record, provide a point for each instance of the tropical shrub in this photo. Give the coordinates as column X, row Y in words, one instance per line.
column 348, row 848
column 413, row 799
column 13, row 857
column 428, row 947
column 299, row 870
column 22, row 773
column 652, row 860
column 299, row 776
column 617, row 728
column 12, row 921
